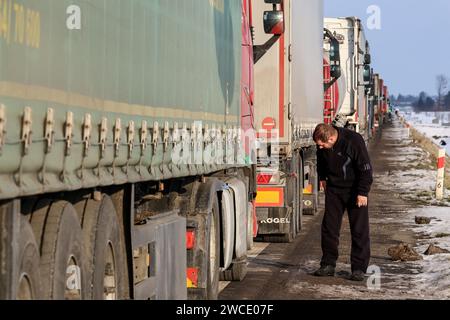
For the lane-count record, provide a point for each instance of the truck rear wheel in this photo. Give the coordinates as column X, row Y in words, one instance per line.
column 62, row 262
column 236, row 272
column 28, row 285
column 104, row 251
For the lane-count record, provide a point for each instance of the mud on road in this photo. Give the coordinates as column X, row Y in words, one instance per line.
column 403, row 180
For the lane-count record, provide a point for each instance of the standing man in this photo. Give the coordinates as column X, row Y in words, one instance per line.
column 345, row 174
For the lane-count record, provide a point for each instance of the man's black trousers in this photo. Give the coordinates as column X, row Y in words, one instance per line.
column 335, row 205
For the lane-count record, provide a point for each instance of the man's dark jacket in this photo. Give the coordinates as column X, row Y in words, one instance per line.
column 346, row 167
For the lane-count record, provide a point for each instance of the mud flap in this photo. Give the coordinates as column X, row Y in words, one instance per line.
column 275, row 224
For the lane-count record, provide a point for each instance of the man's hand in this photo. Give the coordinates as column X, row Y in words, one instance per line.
column 361, row 201
column 323, row 185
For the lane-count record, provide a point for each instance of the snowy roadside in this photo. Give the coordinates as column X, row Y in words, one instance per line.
column 434, row 125
column 414, row 181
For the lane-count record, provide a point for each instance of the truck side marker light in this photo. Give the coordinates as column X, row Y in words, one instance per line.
column 192, row 278
column 190, row 239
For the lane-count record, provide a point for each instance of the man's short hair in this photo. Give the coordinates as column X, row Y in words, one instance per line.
column 324, row 132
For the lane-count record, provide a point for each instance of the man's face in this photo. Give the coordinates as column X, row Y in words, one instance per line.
column 326, row 145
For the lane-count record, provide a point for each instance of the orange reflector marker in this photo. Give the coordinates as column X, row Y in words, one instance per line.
column 270, row 197
column 441, row 163
column 192, row 277
column 264, row 178
column 190, row 239
column 308, row 189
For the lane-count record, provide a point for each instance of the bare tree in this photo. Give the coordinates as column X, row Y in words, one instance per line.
column 441, row 86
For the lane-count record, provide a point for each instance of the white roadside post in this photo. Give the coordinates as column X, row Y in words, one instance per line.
column 440, row 175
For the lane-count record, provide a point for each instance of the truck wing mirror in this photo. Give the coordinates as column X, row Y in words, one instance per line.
column 335, row 71
column 367, row 73
column 274, row 22
column 335, row 55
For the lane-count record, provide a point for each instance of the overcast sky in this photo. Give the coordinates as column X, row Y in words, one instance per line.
column 413, row 44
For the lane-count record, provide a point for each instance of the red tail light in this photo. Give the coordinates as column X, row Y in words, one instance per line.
column 190, row 239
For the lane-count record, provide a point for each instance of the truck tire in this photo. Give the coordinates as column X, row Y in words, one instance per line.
column 28, row 284
column 213, row 253
column 104, row 251
column 62, row 261
column 236, row 272
column 290, row 236
column 38, row 218
column 250, row 226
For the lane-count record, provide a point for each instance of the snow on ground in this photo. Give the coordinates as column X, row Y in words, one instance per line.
column 436, row 271
column 435, row 125
column 418, row 182
column 414, row 181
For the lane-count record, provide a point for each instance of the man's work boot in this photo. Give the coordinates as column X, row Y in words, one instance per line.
column 325, row 271
column 357, row 275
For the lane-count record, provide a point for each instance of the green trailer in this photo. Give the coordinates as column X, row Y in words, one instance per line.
column 96, row 93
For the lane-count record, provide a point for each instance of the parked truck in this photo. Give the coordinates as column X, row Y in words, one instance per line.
column 380, row 98
column 355, row 61
column 288, row 106
column 125, row 171
column 334, row 79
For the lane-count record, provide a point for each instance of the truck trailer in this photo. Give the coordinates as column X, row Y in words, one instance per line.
column 355, row 62
column 288, row 106
column 334, row 79
column 123, row 167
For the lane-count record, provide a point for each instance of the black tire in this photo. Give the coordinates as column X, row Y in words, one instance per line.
column 213, row 256
column 290, row 236
column 38, row 219
column 28, row 282
column 104, row 251
column 236, row 272
column 62, row 261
